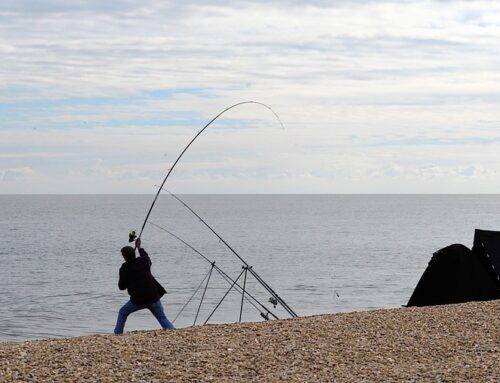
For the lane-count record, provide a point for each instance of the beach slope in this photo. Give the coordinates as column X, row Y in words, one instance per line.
column 441, row 343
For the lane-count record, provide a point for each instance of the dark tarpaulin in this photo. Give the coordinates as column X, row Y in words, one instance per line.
column 487, row 245
column 456, row 274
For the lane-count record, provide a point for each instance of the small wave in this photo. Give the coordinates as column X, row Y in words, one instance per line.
column 304, row 287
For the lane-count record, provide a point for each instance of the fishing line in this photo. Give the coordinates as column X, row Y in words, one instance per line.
column 192, row 140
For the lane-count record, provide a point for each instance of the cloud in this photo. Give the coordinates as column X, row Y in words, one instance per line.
column 433, row 171
column 36, row 155
column 15, row 174
column 357, row 84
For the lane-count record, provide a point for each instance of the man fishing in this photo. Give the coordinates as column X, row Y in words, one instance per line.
column 144, row 290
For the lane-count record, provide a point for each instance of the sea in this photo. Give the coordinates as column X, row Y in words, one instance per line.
column 322, row 254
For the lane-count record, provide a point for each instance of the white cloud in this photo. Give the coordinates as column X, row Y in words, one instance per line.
column 10, row 175
column 361, row 86
column 36, row 155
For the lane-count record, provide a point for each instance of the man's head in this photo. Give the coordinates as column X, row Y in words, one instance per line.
column 128, row 253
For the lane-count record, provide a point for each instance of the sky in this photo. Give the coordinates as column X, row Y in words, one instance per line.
column 374, row 96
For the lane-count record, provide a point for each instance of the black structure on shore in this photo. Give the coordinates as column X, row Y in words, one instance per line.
column 457, row 274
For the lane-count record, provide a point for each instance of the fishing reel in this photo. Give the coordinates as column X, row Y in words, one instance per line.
column 273, row 301
column 132, row 236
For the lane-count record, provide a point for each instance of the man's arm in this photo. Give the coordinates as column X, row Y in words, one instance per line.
column 142, row 252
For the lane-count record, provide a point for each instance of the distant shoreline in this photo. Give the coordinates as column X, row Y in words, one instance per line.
column 453, row 342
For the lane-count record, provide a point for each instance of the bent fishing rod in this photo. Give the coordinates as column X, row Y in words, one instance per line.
column 192, row 140
column 250, row 269
column 226, row 277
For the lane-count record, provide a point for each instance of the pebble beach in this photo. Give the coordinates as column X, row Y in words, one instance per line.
column 432, row 344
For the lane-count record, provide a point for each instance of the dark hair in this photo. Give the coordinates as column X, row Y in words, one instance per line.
column 128, row 253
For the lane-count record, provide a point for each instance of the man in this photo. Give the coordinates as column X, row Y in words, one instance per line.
column 145, row 292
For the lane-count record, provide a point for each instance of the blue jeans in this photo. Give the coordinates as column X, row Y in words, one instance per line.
column 156, row 309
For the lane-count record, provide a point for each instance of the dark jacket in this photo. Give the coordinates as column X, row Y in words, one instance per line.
column 136, row 277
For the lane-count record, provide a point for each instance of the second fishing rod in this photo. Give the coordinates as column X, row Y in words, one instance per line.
column 275, row 296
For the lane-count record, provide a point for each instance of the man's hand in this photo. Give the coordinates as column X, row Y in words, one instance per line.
column 138, row 243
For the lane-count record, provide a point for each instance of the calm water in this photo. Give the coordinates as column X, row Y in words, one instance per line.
column 321, row 253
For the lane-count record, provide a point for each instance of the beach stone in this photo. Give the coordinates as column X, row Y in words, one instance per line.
column 436, row 344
